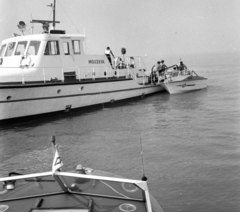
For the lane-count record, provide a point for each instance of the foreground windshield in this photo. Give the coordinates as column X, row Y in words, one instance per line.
column 69, row 192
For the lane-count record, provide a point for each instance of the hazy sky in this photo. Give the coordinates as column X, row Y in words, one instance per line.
column 144, row 27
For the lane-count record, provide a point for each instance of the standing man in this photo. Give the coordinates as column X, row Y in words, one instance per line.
column 108, row 53
column 155, row 72
column 163, row 68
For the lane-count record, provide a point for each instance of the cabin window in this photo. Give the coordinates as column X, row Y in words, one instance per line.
column 52, row 48
column 33, row 47
column 76, row 46
column 66, row 48
column 3, row 47
column 10, row 49
column 21, row 46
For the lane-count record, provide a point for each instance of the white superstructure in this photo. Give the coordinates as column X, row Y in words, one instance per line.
column 50, row 72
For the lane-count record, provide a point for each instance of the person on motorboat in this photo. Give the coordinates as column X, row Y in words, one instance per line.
column 162, row 68
column 155, row 72
column 162, row 71
column 108, row 53
column 182, row 66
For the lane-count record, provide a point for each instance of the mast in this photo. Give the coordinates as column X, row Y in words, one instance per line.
column 46, row 23
column 54, row 4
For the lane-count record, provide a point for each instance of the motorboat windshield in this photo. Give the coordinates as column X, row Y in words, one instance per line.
column 67, row 192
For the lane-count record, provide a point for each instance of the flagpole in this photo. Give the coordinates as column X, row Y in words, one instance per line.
column 53, row 144
column 55, row 153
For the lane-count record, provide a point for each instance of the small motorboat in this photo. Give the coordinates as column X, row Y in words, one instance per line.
column 82, row 190
column 176, row 81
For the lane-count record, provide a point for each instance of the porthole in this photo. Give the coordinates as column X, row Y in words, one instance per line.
column 9, row 98
column 59, row 91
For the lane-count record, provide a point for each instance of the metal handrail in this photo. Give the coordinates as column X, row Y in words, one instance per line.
column 88, row 70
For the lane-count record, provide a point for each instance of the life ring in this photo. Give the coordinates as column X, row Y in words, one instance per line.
column 4, row 189
column 26, row 59
column 127, row 207
column 3, row 208
column 128, row 187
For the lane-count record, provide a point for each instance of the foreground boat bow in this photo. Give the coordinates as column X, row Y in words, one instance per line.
column 84, row 190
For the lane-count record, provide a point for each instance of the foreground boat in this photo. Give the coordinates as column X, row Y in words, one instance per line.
column 176, row 81
column 50, row 72
column 84, row 190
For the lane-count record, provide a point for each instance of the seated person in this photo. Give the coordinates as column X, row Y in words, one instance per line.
column 119, row 64
column 132, row 62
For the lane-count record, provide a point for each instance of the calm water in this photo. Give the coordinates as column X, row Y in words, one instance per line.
column 191, row 143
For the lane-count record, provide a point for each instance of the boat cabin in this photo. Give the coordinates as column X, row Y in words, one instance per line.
column 50, row 57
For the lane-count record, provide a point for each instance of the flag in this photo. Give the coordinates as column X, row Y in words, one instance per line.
column 57, row 162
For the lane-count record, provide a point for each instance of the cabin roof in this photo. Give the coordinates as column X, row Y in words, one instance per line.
column 44, row 37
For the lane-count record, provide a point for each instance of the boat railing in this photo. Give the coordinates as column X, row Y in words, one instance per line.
column 139, row 65
column 78, row 73
column 173, row 71
column 56, row 74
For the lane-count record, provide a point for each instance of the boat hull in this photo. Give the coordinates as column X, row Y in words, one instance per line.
column 176, row 87
column 28, row 100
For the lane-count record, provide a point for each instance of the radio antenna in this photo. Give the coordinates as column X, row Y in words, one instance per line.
column 144, row 178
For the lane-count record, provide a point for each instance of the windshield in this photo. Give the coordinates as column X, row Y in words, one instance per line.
column 10, row 49
column 71, row 192
column 33, row 47
column 21, row 46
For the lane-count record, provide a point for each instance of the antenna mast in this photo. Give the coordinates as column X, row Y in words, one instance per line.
column 144, row 178
column 54, row 5
column 46, row 23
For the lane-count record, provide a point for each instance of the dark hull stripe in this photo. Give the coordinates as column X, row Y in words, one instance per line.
column 186, row 85
column 37, row 84
column 187, row 80
column 75, row 95
column 74, row 111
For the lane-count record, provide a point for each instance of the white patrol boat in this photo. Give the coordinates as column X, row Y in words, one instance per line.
column 50, row 72
column 83, row 190
column 176, row 81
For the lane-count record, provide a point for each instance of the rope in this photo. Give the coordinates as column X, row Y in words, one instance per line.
column 114, row 189
column 68, row 16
